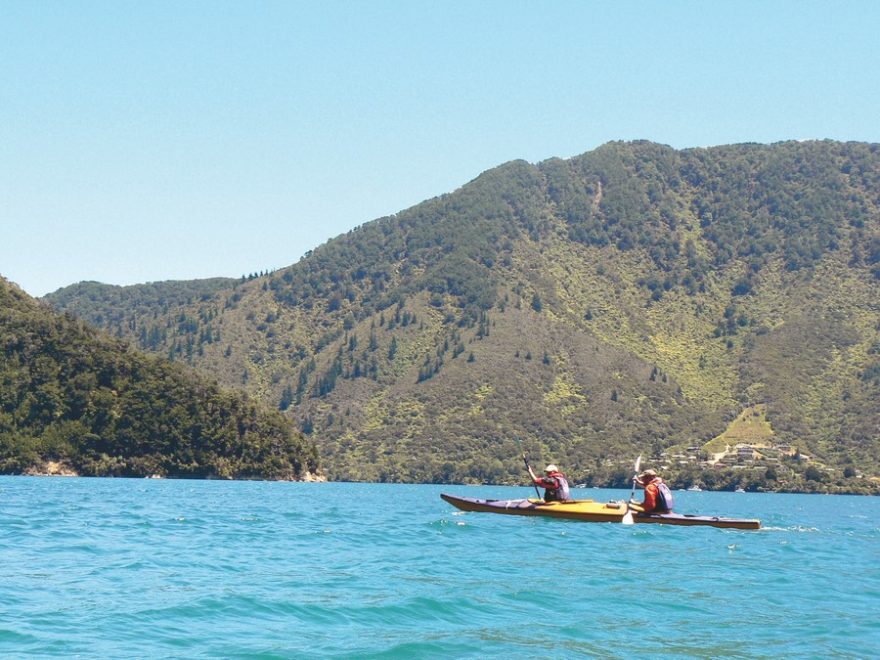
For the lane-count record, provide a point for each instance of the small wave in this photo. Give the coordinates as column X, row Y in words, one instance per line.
column 795, row 528
column 427, row 649
column 444, row 522
column 414, row 611
column 16, row 638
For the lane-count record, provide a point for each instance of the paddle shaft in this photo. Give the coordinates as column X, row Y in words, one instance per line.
column 635, row 476
column 529, row 470
column 628, row 517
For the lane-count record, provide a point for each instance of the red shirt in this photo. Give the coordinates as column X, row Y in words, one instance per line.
column 547, row 482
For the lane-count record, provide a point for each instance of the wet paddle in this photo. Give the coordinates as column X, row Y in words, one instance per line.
column 628, row 518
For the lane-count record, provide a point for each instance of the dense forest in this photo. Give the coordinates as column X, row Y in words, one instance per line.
column 74, row 401
column 635, row 299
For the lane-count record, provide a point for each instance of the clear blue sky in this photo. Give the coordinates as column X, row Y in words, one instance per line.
column 145, row 141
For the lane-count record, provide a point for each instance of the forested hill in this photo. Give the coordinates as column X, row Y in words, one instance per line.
column 635, row 299
column 107, row 305
column 75, row 401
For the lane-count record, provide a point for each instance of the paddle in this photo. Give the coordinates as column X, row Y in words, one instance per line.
column 529, row 470
column 628, row 518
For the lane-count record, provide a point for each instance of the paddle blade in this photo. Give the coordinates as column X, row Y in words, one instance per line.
column 628, row 519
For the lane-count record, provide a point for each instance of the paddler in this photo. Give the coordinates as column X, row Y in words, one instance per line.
column 553, row 482
column 658, row 497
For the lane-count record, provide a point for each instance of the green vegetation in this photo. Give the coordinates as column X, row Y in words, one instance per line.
column 750, row 427
column 104, row 304
column 90, row 404
column 630, row 300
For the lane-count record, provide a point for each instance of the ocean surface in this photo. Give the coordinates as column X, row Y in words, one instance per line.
column 159, row 568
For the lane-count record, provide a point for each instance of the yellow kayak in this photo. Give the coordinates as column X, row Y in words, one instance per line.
column 591, row 511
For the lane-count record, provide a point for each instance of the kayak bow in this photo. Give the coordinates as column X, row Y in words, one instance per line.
column 591, row 511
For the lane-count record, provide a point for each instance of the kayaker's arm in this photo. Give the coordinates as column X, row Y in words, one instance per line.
column 636, row 507
column 532, row 474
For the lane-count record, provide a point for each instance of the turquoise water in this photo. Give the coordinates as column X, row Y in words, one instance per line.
column 155, row 568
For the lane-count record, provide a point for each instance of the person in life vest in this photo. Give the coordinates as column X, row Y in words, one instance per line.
column 553, row 482
column 658, row 497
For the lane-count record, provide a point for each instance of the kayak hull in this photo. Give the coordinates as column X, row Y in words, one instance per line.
column 690, row 520
column 591, row 511
column 585, row 510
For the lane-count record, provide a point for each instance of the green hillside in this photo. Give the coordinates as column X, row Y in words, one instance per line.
column 635, row 299
column 106, row 305
column 75, row 401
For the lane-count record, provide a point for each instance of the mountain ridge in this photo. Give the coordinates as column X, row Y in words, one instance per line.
column 634, row 298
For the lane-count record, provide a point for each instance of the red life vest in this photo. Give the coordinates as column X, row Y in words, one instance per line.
column 558, row 491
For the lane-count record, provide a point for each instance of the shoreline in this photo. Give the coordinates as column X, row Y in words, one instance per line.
column 58, row 470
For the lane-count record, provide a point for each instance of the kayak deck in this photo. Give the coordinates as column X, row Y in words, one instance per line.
column 591, row 511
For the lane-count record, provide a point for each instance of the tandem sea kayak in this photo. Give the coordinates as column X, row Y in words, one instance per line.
column 591, row 511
